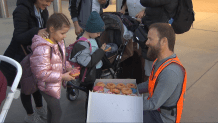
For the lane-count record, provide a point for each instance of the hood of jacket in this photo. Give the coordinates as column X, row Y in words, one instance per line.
column 28, row 3
column 39, row 41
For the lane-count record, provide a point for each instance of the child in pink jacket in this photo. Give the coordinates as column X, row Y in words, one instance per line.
column 49, row 66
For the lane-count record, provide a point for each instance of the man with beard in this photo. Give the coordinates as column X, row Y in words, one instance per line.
column 167, row 83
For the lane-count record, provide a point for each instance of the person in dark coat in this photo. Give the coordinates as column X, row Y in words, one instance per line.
column 156, row 11
column 29, row 19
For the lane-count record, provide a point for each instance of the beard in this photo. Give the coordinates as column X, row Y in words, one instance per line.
column 153, row 52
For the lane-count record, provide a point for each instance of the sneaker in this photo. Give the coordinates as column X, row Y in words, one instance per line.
column 41, row 112
column 34, row 118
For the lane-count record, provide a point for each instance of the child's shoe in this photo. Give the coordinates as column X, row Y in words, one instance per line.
column 34, row 118
column 41, row 112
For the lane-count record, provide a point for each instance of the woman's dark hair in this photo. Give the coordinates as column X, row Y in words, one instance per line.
column 165, row 30
column 57, row 20
column 34, row 1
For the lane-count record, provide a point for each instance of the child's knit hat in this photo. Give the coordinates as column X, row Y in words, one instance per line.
column 95, row 23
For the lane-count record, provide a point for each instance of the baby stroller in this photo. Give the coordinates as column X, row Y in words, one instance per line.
column 14, row 93
column 113, row 34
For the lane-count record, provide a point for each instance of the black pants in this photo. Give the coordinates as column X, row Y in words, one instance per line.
column 27, row 102
column 90, row 86
column 151, row 116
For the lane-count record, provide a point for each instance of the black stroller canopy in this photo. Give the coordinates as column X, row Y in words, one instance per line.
column 113, row 29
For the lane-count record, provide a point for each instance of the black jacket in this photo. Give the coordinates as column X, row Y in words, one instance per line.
column 158, row 10
column 25, row 27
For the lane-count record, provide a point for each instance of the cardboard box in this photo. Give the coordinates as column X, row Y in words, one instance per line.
column 103, row 107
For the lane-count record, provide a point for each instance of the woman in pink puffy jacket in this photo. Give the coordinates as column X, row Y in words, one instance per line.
column 49, row 66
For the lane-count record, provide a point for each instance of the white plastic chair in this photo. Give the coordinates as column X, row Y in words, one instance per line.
column 14, row 93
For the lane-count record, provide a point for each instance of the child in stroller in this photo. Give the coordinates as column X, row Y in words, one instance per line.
column 112, row 35
column 120, row 50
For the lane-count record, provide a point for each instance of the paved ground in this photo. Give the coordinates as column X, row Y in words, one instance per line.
column 197, row 50
column 205, row 6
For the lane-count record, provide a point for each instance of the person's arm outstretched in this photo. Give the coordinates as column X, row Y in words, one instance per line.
column 143, row 87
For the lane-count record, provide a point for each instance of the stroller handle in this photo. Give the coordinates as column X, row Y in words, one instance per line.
column 14, row 92
column 19, row 71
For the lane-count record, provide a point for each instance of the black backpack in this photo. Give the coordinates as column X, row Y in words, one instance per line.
column 184, row 17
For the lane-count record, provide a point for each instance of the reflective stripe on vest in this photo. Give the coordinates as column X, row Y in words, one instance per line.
column 153, row 78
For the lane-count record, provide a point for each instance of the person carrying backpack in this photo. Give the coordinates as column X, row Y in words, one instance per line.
column 184, row 18
column 156, row 11
column 179, row 13
column 49, row 66
column 29, row 17
column 88, row 57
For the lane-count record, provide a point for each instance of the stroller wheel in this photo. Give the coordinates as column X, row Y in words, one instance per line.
column 72, row 94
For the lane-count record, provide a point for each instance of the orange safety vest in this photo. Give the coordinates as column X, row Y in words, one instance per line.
column 153, row 78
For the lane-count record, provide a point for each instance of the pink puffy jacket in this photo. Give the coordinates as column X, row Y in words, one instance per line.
column 48, row 65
